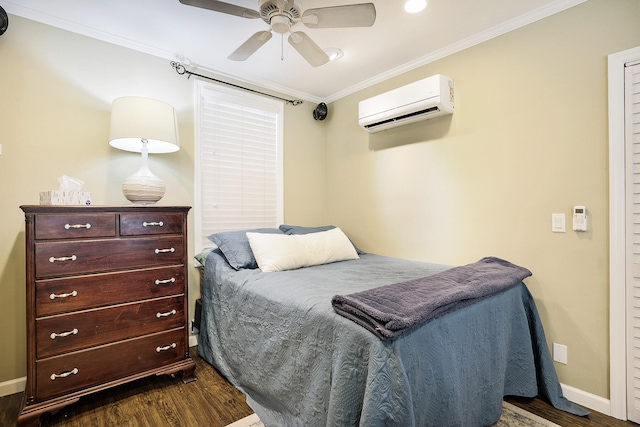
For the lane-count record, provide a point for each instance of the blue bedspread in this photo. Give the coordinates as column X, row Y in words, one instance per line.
column 276, row 337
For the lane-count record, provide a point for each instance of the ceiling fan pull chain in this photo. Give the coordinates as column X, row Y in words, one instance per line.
column 282, row 47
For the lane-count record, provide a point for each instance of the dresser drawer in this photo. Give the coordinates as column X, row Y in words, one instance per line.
column 73, row 226
column 136, row 224
column 69, row 332
column 85, row 368
column 62, row 258
column 82, row 292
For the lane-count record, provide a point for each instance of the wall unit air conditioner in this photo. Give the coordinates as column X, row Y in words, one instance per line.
column 421, row 100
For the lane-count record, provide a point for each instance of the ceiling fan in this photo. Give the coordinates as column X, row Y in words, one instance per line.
column 282, row 15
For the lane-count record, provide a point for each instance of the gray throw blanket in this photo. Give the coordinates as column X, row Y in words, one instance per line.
column 391, row 310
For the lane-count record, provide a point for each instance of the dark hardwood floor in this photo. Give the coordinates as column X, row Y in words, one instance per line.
column 150, row 402
column 544, row 409
column 210, row 401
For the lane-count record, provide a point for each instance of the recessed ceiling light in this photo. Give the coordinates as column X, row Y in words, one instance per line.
column 414, row 6
column 334, row 53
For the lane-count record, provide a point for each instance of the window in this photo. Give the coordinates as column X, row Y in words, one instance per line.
column 238, row 161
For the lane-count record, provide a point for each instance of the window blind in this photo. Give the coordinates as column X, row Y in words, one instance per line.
column 238, row 161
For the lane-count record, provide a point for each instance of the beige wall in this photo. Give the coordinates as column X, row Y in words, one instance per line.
column 528, row 139
column 56, row 90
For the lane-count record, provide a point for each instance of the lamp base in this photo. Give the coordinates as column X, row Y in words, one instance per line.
column 143, row 188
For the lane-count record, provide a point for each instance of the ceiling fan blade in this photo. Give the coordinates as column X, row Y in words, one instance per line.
column 308, row 49
column 222, row 7
column 352, row 15
column 249, row 47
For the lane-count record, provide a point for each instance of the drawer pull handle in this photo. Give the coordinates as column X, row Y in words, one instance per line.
column 68, row 226
column 166, row 347
column 152, row 224
column 63, row 334
column 74, row 371
column 164, row 282
column 168, row 313
column 162, row 251
column 64, row 258
column 70, row 294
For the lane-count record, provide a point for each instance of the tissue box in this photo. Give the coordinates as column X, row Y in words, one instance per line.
column 65, row 197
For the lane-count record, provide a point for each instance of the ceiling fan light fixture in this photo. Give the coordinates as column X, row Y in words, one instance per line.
column 333, row 53
column 414, row 6
column 280, row 24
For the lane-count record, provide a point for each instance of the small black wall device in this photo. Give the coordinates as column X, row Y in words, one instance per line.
column 320, row 113
column 4, row 21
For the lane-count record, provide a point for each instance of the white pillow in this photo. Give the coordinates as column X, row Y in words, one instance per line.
column 279, row 252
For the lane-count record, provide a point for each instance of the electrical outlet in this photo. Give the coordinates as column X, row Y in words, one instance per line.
column 560, row 353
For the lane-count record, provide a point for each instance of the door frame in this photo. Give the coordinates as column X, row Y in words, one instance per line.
column 617, row 233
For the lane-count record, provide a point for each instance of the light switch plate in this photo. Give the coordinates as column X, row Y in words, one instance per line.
column 558, row 223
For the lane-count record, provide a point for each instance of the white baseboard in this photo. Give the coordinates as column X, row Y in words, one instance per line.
column 13, row 386
column 588, row 400
column 193, row 340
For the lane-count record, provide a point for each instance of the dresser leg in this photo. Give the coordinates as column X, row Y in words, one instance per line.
column 188, row 374
column 187, row 367
column 30, row 415
column 32, row 420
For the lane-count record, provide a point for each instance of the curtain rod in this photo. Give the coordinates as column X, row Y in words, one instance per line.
column 180, row 69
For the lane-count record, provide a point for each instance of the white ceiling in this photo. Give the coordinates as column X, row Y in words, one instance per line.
column 396, row 43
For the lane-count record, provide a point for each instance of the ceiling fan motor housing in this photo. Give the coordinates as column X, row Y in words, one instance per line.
column 280, row 20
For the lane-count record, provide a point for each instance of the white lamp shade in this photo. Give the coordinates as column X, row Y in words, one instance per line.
column 134, row 118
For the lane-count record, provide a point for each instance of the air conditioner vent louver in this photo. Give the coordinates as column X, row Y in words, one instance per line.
column 420, row 100
column 403, row 117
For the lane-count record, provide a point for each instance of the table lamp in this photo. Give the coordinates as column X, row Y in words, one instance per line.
column 143, row 125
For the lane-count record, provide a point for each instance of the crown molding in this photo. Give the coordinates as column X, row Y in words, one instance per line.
column 498, row 30
column 474, row 40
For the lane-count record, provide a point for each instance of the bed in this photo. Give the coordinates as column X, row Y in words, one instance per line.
column 278, row 339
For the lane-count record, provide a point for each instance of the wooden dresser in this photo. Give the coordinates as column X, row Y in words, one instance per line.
column 106, row 300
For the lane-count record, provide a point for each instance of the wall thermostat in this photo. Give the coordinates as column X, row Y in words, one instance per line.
column 579, row 218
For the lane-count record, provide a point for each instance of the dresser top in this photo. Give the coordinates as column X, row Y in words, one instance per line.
column 77, row 209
